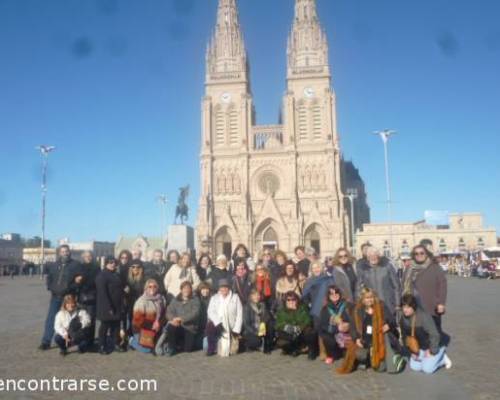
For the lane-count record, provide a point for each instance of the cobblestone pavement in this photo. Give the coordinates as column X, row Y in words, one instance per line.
column 472, row 320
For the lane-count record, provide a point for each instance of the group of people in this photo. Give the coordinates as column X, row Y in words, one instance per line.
column 362, row 312
column 477, row 266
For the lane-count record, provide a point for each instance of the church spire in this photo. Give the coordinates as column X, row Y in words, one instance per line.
column 307, row 43
column 226, row 54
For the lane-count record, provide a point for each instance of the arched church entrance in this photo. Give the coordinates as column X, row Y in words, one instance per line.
column 313, row 238
column 223, row 243
column 267, row 236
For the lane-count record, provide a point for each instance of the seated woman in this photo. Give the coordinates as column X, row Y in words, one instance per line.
column 374, row 335
column 71, row 326
column 294, row 327
column 289, row 282
column 334, row 326
column 421, row 338
column 183, row 315
column 256, row 324
column 225, row 320
column 148, row 318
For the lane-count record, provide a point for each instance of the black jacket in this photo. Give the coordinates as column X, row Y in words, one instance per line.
column 109, row 296
column 303, row 266
column 87, row 293
column 325, row 328
column 216, row 274
column 156, row 272
column 61, row 277
column 249, row 317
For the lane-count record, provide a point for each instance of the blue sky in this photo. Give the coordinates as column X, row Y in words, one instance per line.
column 116, row 85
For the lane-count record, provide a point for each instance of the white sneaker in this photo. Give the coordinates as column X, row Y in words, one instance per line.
column 447, row 361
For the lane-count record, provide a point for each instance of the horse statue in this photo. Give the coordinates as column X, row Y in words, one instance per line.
column 182, row 209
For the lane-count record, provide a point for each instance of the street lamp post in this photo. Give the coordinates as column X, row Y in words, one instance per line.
column 352, row 194
column 44, row 151
column 162, row 201
column 385, row 135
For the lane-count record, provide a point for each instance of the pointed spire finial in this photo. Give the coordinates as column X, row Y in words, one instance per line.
column 226, row 55
column 307, row 44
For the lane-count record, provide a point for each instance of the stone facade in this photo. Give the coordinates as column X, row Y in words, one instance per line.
column 273, row 186
column 465, row 232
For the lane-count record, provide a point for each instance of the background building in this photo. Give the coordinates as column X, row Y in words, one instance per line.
column 464, row 232
column 11, row 249
column 34, row 255
column 273, row 186
column 147, row 245
column 99, row 249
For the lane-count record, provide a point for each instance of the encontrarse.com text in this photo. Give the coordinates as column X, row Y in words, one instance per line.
column 55, row 384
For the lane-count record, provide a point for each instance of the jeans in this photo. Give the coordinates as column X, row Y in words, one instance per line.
column 134, row 343
column 61, row 343
column 54, row 306
column 429, row 364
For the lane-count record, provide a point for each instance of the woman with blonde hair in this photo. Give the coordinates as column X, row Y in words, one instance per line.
column 149, row 316
column 374, row 334
column 181, row 272
column 71, row 326
column 262, row 282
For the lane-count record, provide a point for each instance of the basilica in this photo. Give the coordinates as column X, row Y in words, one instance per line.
column 270, row 186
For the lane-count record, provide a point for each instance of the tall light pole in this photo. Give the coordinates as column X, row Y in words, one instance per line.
column 162, row 201
column 352, row 194
column 385, row 135
column 44, row 151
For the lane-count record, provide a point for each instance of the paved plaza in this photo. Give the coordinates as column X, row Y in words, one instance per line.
column 473, row 320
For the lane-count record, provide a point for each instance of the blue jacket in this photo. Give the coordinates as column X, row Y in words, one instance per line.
column 315, row 291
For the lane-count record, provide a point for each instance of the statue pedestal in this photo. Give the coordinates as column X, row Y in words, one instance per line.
column 181, row 238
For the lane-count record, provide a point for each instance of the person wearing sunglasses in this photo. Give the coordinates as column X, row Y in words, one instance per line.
column 293, row 327
column 426, row 280
column 344, row 274
column 134, row 288
column 148, row 318
column 109, row 301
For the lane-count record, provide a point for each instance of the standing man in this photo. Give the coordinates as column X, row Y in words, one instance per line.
column 63, row 277
column 156, row 269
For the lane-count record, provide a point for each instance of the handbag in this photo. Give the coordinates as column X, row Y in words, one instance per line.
column 411, row 341
column 147, row 338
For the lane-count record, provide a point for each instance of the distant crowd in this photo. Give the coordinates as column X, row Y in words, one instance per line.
column 365, row 313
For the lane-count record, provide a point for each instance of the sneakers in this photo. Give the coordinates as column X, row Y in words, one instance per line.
column 329, row 360
column 447, row 361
